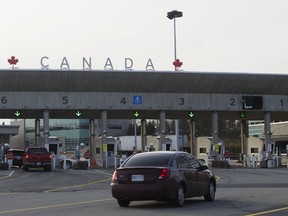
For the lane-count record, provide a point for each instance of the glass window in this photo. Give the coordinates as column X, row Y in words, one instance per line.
column 148, row 160
column 182, row 162
column 254, row 150
column 203, row 150
column 194, row 164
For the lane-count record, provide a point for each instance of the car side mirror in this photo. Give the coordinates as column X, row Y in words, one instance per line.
column 203, row 167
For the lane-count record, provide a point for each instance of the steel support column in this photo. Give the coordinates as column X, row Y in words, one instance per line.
column 37, row 131
column 46, row 127
column 162, row 130
column 91, row 141
column 104, row 138
column 267, row 130
column 143, row 135
column 192, row 137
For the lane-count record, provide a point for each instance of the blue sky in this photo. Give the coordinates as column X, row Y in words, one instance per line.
column 222, row 35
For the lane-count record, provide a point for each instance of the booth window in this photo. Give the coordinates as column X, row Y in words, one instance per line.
column 203, row 150
column 254, row 150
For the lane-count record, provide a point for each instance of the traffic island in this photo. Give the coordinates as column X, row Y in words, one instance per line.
column 220, row 164
column 80, row 165
column 4, row 166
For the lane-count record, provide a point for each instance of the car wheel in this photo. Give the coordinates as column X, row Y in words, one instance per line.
column 180, row 196
column 211, row 192
column 25, row 168
column 48, row 169
column 123, row 202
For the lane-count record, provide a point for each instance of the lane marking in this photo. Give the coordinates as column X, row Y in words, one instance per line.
column 7, row 176
column 76, row 186
column 55, row 206
column 267, row 212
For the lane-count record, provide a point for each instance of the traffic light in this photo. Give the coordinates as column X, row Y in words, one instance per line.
column 136, row 114
column 242, row 114
column 191, row 114
column 78, row 113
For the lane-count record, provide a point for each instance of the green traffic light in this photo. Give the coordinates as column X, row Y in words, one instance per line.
column 191, row 114
column 242, row 115
column 136, row 113
column 17, row 113
column 78, row 113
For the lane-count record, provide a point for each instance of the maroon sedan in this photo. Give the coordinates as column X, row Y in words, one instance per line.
column 162, row 175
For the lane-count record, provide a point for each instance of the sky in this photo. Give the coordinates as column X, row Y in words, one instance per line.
column 212, row 35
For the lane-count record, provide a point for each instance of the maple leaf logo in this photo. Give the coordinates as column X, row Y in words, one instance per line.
column 177, row 63
column 13, row 61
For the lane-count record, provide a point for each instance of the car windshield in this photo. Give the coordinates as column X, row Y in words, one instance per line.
column 148, row 160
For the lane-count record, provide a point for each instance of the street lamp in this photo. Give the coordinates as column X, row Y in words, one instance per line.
column 173, row 15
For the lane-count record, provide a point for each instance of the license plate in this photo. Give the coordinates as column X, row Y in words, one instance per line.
column 137, row 178
column 38, row 163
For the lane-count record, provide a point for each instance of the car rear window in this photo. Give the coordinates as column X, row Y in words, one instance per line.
column 36, row 150
column 148, row 160
column 17, row 153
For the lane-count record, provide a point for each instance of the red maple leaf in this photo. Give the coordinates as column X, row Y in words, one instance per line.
column 13, row 60
column 177, row 63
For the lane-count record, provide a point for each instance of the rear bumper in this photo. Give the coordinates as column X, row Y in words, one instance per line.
column 37, row 164
column 143, row 191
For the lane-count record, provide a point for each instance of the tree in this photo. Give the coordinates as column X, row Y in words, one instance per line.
column 151, row 128
column 131, row 128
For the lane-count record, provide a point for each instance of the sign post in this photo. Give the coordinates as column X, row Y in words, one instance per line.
column 10, row 157
column 287, row 154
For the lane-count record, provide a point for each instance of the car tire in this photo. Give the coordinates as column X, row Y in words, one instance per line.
column 210, row 196
column 180, row 197
column 25, row 168
column 123, row 202
column 48, row 169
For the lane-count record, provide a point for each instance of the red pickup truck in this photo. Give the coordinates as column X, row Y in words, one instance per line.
column 37, row 157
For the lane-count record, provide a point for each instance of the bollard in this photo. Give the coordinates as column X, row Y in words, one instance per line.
column 248, row 161
column 244, row 160
column 253, row 161
column 64, row 162
column 53, row 161
column 9, row 161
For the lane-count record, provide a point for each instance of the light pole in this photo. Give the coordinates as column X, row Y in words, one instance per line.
column 173, row 15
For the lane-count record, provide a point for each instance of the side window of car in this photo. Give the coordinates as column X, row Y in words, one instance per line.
column 194, row 164
column 182, row 162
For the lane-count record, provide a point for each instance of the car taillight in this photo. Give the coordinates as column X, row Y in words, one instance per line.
column 164, row 174
column 26, row 156
column 114, row 177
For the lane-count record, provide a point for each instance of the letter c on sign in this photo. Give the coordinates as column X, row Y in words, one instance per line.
column 41, row 62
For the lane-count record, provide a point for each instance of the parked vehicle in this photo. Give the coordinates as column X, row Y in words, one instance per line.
column 37, row 157
column 162, row 175
column 18, row 157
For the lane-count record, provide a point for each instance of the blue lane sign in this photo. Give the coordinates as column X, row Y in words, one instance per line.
column 137, row 99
